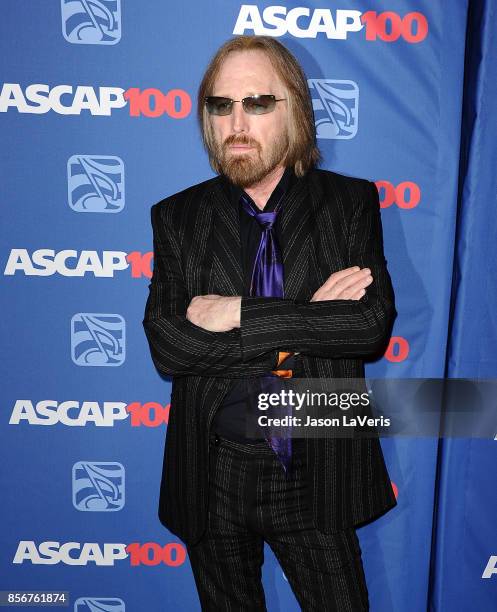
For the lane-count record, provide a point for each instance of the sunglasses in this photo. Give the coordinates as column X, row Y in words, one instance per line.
column 253, row 105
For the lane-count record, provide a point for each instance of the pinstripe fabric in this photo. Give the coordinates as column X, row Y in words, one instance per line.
column 250, row 501
column 330, row 222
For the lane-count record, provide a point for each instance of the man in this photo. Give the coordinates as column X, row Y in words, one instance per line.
column 237, row 295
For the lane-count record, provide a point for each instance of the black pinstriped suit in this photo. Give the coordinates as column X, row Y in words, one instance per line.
column 329, row 222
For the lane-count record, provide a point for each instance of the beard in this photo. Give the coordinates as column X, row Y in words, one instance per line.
column 246, row 169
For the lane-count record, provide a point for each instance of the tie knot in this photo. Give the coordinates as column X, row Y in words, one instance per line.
column 266, row 220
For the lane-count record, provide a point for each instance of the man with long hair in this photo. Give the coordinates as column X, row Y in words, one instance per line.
column 274, row 268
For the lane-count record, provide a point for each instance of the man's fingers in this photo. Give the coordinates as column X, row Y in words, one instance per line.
column 332, row 281
column 338, row 276
column 354, row 281
column 339, row 283
column 348, row 294
column 357, row 295
column 350, row 287
column 345, row 278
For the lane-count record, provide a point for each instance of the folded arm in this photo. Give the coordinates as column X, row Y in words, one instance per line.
column 178, row 347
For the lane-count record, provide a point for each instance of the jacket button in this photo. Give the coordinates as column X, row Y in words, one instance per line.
column 217, row 440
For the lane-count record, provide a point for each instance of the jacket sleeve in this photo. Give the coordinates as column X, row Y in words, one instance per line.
column 331, row 328
column 177, row 346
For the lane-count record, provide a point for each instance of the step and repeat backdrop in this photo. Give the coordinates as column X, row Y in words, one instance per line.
column 97, row 118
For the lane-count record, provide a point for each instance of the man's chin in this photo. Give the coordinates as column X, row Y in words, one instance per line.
column 242, row 172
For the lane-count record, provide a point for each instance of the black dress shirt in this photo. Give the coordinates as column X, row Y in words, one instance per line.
column 230, row 418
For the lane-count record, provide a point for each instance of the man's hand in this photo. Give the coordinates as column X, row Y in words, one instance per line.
column 215, row 313
column 348, row 284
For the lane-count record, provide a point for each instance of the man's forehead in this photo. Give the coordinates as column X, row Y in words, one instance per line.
column 247, row 69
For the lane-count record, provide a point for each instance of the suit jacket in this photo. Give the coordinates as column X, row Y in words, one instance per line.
column 330, row 222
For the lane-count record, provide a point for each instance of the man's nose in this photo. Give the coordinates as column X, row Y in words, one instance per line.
column 239, row 119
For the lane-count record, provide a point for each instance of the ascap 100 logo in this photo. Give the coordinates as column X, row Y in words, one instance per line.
column 305, row 22
column 172, row 554
column 40, row 98
column 69, row 262
column 73, row 413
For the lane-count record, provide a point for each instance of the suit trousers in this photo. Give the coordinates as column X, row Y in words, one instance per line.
column 251, row 501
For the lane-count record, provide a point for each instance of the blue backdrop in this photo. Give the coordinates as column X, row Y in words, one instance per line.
column 97, row 120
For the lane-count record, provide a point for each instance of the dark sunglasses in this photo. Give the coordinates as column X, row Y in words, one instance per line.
column 253, row 105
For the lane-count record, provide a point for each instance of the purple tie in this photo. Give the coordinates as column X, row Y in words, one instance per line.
column 267, row 281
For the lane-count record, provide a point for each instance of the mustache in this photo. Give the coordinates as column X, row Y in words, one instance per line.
column 240, row 140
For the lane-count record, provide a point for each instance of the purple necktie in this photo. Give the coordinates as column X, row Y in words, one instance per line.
column 267, row 281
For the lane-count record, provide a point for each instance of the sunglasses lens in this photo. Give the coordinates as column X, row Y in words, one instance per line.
column 259, row 105
column 253, row 105
column 218, row 106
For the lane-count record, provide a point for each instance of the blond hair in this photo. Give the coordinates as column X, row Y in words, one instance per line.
column 302, row 150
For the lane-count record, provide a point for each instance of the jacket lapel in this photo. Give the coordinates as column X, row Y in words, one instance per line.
column 226, row 275
column 295, row 224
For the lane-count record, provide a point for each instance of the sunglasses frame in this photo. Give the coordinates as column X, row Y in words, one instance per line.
column 230, row 101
